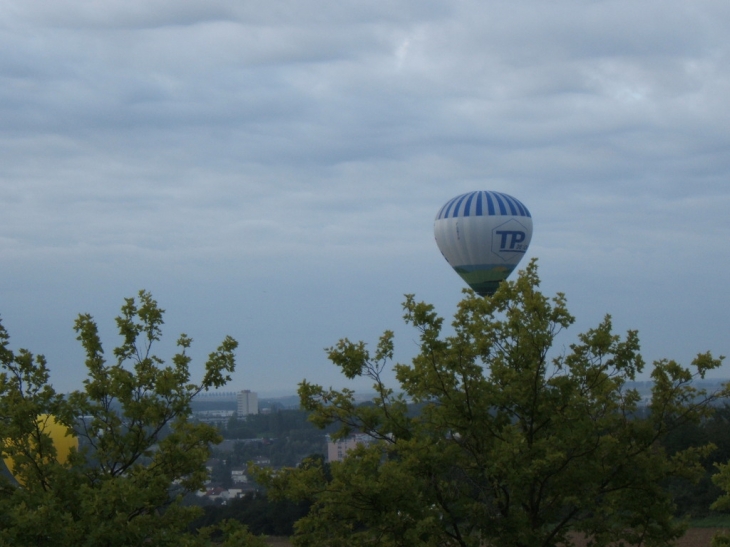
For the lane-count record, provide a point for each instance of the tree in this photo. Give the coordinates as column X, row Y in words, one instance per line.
column 722, row 480
column 138, row 451
column 510, row 447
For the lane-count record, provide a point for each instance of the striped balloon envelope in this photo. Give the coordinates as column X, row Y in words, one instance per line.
column 483, row 236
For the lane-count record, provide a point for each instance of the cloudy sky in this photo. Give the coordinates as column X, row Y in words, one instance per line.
column 271, row 169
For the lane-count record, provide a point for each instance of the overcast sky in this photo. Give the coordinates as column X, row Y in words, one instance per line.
column 272, row 169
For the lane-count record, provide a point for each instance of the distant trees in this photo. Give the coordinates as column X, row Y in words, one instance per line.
column 288, row 434
column 511, row 447
column 277, row 423
column 238, row 429
column 138, row 452
column 260, row 514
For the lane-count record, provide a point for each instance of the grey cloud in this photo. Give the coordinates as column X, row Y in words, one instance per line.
column 280, row 160
column 158, row 13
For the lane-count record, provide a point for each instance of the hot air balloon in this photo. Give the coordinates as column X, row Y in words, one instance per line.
column 483, row 236
column 63, row 441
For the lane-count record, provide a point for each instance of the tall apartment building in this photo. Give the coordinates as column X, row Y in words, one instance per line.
column 248, row 403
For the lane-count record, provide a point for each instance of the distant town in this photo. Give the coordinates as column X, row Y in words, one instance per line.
column 266, row 432
column 275, row 432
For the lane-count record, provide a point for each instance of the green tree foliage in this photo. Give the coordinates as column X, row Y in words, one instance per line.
column 258, row 513
column 722, row 480
column 695, row 500
column 138, row 452
column 511, row 447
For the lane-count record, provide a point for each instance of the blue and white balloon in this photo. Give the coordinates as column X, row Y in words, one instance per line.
column 483, row 236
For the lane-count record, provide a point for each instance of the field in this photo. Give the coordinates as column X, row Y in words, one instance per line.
column 695, row 537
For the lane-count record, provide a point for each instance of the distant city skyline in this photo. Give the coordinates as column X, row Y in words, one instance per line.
column 641, row 385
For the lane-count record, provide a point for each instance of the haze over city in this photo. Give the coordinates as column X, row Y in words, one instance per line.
column 272, row 170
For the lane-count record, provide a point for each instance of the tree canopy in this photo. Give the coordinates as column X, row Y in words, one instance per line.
column 137, row 453
column 512, row 446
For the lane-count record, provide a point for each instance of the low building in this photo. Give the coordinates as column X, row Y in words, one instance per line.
column 238, row 475
column 213, row 416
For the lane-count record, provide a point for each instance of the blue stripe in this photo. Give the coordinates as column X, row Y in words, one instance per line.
column 490, row 204
column 502, row 208
column 448, row 208
column 456, row 209
column 511, row 202
column 467, row 205
column 522, row 210
column 497, row 203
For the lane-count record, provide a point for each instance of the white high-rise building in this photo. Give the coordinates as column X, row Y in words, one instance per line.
column 248, row 403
